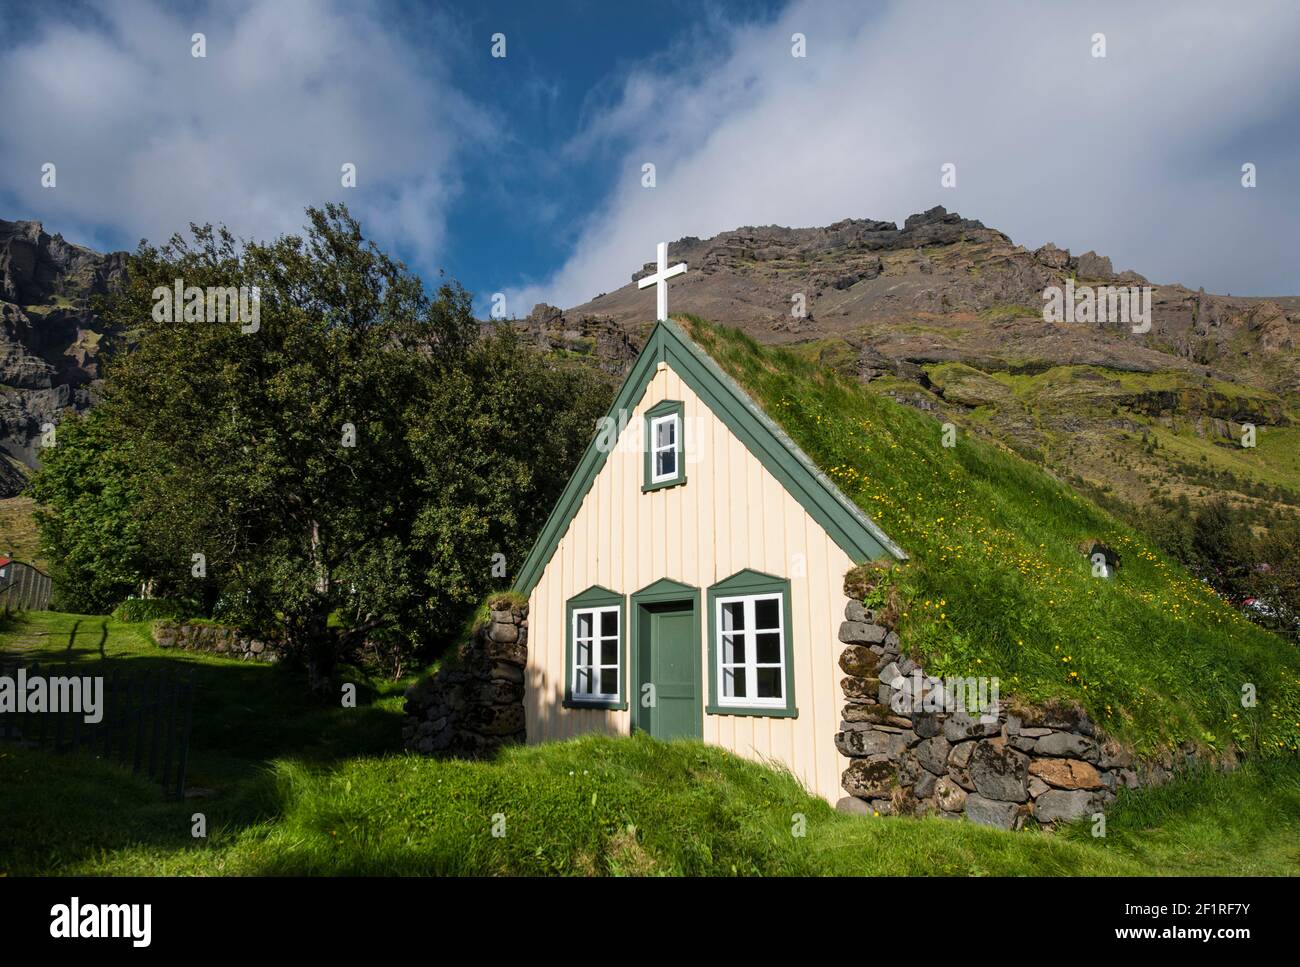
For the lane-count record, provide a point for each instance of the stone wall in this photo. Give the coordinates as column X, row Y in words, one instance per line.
column 218, row 639
column 475, row 704
column 917, row 757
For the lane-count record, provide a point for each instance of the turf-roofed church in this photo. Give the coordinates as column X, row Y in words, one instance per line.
column 689, row 583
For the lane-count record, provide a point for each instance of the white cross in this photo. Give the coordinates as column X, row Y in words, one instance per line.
column 660, row 280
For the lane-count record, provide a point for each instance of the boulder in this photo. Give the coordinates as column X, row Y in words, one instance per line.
column 1112, row 755
column 858, row 660
column 861, row 633
column 860, row 689
column 951, row 796
column 999, row 772
column 1066, row 773
column 857, row 713
column 857, row 743
column 990, row 812
column 855, row 611
column 868, row 779
column 1067, row 745
column 1059, row 805
column 959, row 725
column 927, row 724
column 853, row 806
column 925, row 785
column 933, row 754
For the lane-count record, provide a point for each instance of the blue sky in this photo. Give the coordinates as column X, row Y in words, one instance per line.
column 523, row 174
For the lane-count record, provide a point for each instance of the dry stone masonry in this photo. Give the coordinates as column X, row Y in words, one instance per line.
column 1046, row 763
column 475, row 704
column 218, row 639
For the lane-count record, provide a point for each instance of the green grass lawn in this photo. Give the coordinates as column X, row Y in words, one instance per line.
column 296, row 788
column 998, row 584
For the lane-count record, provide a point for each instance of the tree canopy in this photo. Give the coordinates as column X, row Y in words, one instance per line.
column 341, row 468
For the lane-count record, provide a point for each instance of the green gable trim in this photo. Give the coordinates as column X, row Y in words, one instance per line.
column 744, row 583
column 664, row 408
column 663, row 591
column 844, row 521
column 595, row 597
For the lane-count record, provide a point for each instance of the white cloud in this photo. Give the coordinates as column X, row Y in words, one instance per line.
column 147, row 138
column 1136, row 155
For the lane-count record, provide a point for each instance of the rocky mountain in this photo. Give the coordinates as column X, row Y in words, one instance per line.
column 948, row 315
column 50, row 337
column 942, row 313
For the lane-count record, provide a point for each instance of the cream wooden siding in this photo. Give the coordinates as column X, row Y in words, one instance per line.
column 731, row 514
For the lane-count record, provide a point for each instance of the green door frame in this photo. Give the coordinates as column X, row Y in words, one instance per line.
column 664, row 591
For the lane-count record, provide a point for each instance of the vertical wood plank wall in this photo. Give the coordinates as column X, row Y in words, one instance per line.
column 731, row 514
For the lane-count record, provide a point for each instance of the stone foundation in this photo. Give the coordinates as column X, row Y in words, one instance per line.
column 218, row 639
column 474, row 705
column 915, row 752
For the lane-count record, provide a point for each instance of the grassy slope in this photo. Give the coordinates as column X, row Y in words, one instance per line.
column 293, row 788
column 1106, row 450
column 604, row 806
column 999, row 587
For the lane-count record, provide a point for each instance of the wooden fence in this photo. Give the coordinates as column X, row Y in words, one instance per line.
column 145, row 724
column 24, row 588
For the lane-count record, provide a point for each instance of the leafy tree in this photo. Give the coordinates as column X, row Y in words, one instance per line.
column 340, row 473
column 86, row 516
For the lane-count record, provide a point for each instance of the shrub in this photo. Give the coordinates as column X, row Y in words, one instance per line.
column 150, row 609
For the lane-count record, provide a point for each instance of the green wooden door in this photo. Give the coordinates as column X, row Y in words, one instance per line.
column 670, row 661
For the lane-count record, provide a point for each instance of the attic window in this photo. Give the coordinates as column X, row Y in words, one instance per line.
column 664, row 446
column 664, row 431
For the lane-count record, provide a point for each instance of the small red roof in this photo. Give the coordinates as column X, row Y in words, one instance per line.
column 3, row 561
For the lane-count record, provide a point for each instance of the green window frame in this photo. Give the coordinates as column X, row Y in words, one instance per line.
column 595, row 602
column 742, row 593
column 665, row 413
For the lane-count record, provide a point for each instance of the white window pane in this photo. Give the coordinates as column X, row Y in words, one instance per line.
column 582, row 653
column 582, row 684
column 609, row 681
column 767, row 613
column 769, row 683
column 733, row 683
column 609, row 623
column 733, row 616
column 584, row 624
column 767, row 650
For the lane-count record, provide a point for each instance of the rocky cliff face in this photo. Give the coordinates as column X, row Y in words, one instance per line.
column 947, row 315
column 945, row 288
column 51, row 340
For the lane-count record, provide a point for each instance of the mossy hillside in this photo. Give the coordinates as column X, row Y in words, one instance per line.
column 998, row 585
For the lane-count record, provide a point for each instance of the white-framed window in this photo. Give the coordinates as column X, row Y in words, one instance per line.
column 596, row 654
column 665, row 432
column 751, row 651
